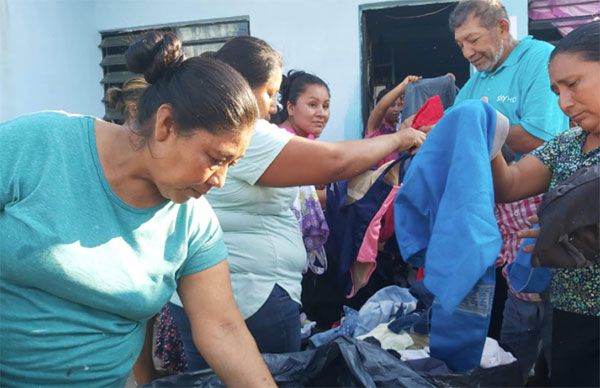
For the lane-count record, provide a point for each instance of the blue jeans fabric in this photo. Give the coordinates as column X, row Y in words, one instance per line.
column 527, row 327
column 275, row 328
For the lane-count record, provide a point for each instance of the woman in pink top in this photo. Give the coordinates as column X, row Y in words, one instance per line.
column 305, row 112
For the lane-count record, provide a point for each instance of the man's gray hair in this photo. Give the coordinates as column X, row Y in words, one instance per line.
column 489, row 12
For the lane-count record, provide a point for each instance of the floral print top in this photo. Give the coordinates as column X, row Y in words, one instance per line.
column 573, row 290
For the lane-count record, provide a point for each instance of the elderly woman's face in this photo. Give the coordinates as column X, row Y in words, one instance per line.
column 576, row 81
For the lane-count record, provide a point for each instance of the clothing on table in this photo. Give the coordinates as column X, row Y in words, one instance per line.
column 573, row 290
column 349, row 221
column 450, row 228
column 389, row 339
column 366, row 259
column 417, row 93
column 79, row 266
column 384, row 129
column 520, row 89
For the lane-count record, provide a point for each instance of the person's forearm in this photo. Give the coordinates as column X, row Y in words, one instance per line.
column 230, row 350
column 358, row 156
column 503, row 179
column 519, row 140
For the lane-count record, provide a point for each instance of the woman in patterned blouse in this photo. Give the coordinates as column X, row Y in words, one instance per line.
column 575, row 293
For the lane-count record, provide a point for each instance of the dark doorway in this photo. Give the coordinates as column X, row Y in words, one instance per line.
column 409, row 39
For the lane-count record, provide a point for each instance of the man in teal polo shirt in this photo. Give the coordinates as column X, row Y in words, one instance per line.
column 513, row 77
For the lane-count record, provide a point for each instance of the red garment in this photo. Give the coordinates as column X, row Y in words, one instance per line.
column 429, row 113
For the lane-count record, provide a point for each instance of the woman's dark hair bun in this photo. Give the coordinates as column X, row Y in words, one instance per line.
column 209, row 54
column 154, row 55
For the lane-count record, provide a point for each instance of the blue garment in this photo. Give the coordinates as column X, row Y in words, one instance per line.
column 348, row 223
column 523, row 276
column 520, row 89
column 345, row 329
column 383, row 306
column 444, row 213
column 80, row 270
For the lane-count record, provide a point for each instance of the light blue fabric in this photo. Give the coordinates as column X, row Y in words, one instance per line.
column 260, row 230
column 345, row 329
column 520, row 90
column 383, row 306
column 523, row 277
column 81, row 271
column 446, row 203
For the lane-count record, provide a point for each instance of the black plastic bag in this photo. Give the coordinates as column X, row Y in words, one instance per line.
column 345, row 362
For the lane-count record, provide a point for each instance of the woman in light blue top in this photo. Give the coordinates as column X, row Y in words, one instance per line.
column 99, row 223
column 266, row 251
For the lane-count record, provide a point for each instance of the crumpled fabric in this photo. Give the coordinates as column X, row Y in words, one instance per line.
column 383, row 306
column 388, row 339
column 346, row 328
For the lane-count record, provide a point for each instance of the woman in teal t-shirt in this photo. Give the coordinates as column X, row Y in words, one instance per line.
column 99, row 223
column 575, row 296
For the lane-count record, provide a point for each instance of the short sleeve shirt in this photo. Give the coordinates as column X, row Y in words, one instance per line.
column 80, row 270
column 520, row 89
column 260, row 230
column 573, row 290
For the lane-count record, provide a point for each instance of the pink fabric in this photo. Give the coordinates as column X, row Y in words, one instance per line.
column 291, row 130
column 553, row 9
column 366, row 260
column 512, row 217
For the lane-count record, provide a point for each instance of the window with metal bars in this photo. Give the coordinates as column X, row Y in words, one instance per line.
column 196, row 37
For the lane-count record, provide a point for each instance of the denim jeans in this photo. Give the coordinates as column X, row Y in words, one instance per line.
column 527, row 327
column 275, row 328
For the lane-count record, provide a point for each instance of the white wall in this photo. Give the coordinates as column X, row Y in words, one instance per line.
column 49, row 57
column 320, row 36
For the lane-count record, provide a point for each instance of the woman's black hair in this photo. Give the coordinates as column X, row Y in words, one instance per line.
column 204, row 93
column 382, row 94
column 252, row 57
column 292, row 86
column 583, row 41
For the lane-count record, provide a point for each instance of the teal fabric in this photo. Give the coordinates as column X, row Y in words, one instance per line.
column 520, row 90
column 260, row 230
column 80, row 270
